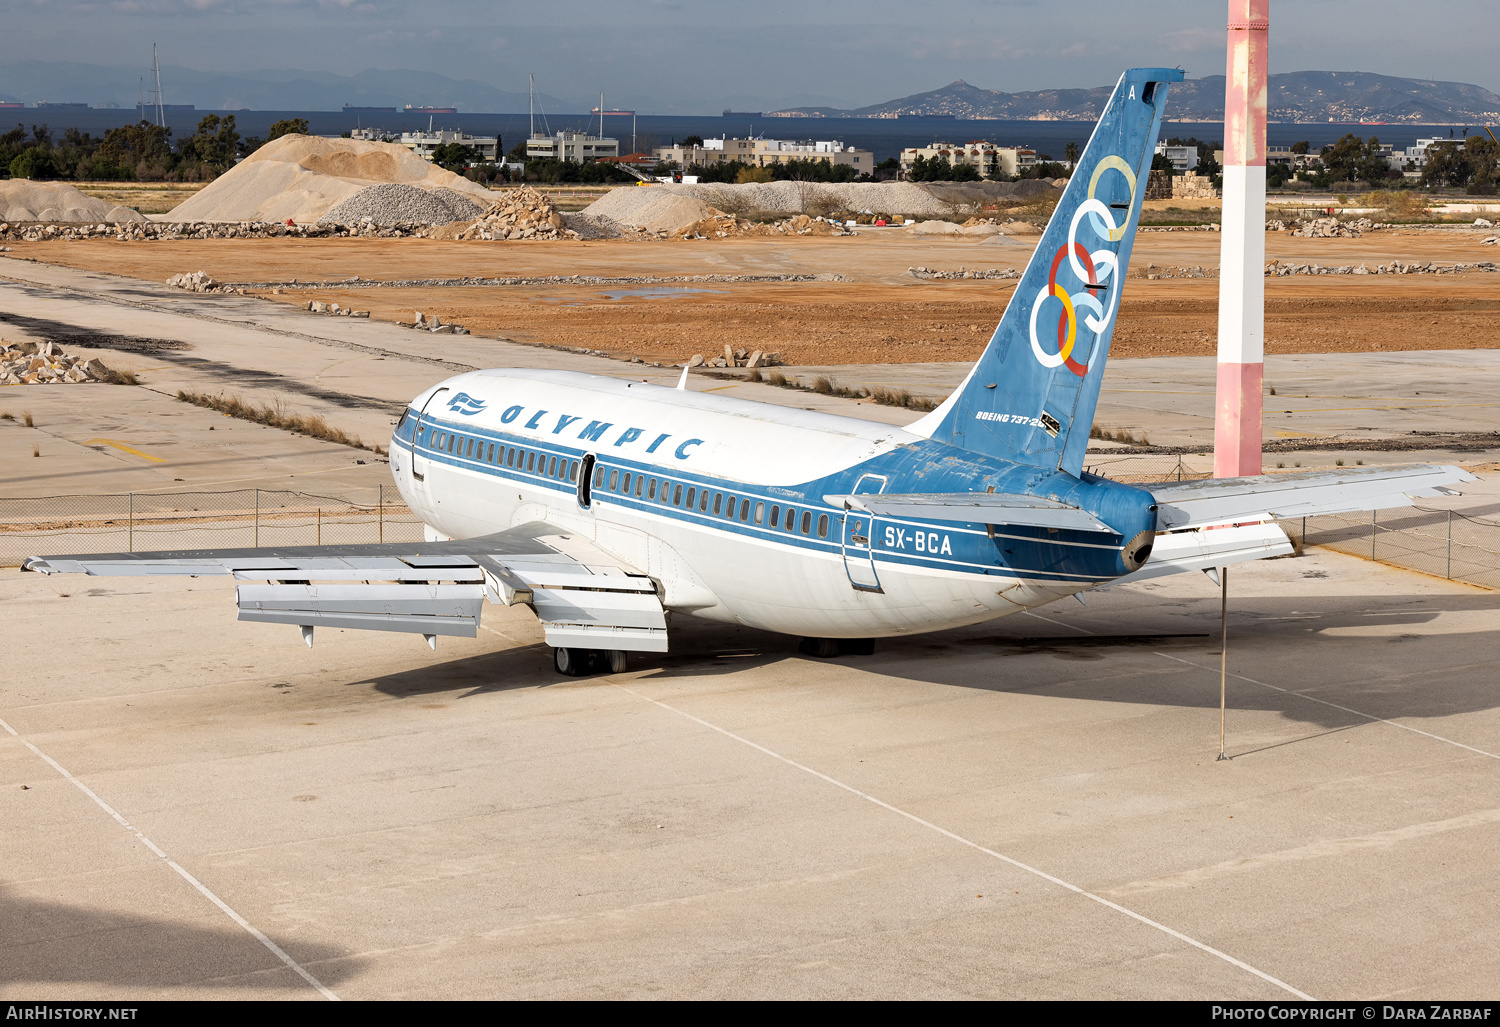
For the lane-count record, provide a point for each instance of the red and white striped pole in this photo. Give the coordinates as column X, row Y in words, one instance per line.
column 1242, row 259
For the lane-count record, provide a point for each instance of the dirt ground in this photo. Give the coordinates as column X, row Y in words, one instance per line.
column 866, row 308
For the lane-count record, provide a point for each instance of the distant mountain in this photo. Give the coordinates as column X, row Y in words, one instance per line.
column 262, row 90
column 1306, row 96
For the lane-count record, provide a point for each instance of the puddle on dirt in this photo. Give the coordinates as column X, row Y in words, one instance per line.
column 651, row 292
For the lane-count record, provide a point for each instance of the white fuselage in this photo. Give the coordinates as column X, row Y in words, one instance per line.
column 455, row 459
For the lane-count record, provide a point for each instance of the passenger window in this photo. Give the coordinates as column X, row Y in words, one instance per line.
column 598, row 477
column 491, row 458
column 531, row 461
column 692, row 497
column 640, row 485
column 775, row 516
column 552, row 468
column 510, row 457
column 651, row 491
column 451, row 440
column 677, row 496
column 573, row 470
column 822, row 526
column 760, row 513
column 625, row 485
column 806, row 522
column 469, row 449
column 703, row 501
column 614, row 481
column 791, row 519
column 718, row 502
column 744, row 510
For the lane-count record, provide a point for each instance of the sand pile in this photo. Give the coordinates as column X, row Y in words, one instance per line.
column 657, row 208
column 23, row 200
column 673, row 208
column 303, row 178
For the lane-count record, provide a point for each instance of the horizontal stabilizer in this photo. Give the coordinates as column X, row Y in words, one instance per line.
column 1180, row 551
column 1189, row 504
column 975, row 508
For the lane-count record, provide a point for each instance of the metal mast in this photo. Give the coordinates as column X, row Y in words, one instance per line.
column 161, row 120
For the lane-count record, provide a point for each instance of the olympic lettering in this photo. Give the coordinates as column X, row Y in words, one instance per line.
column 1094, row 271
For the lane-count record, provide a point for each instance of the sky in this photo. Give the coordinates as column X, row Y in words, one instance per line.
column 679, row 56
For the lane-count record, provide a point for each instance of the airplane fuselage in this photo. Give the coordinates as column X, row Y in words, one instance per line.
column 722, row 502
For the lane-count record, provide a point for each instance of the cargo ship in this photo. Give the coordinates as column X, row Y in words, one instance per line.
column 430, row 110
column 368, row 110
column 743, row 114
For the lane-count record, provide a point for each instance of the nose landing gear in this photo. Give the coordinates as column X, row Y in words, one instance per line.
column 577, row 663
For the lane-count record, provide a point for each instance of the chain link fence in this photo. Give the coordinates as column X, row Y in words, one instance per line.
column 239, row 519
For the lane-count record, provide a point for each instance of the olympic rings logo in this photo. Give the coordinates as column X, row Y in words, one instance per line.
column 1094, row 269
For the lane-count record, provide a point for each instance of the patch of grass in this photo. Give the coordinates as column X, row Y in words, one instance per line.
column 26, row 419
column 1121, row 435
column 7, row 416
column 36, row 450
column 123, row 378
column 825, row 386
column 275, row 415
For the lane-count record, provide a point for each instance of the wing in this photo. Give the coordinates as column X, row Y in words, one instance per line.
column 583, row 597
column 974, row 507
column 1191, row 504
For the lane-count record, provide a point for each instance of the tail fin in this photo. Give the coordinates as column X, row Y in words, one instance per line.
column 1038, row 380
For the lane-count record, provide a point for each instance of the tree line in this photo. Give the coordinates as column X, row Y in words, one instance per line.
column 141, row 152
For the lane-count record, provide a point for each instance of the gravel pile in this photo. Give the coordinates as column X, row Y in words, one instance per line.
column 595, row 226
column 393, row 203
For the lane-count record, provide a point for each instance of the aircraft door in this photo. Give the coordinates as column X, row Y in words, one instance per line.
column 859, row 532
column 421, row 463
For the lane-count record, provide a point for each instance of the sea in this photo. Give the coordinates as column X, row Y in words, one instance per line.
column 885, row 137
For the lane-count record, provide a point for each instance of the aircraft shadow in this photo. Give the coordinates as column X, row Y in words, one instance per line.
column 54, row 942
column 1307, row 647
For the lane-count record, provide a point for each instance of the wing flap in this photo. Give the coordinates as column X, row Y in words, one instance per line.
column 582, row 596
column 974, row 508
column 1191, row 504
column 424, row 609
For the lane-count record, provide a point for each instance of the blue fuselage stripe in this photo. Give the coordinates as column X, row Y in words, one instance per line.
column 1071, row 557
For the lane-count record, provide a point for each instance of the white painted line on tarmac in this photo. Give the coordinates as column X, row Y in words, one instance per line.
column 1346, row 709
column 275, row 949
column 1226, row 957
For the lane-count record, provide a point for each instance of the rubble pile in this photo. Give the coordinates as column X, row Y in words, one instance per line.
column 319, row 307
column 733, row 358
column 427, row 323
column 1180, row 228
column 1395, row 267
column 719, row 225
column 1493, row 240
column 929, row 273
column 1332, row 228
column 1151, row 272
column 200, row 281
column 44, row 363
column 524, row 214
column 141, row 231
